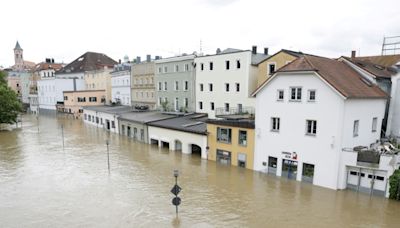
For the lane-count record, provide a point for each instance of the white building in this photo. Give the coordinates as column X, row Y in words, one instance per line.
column 121, row 84
column 105, row 117
column 225, row 81
column 309, row 114
column 383, row 71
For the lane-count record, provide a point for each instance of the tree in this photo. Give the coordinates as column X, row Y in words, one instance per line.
column 394, row 182
column 10, row 106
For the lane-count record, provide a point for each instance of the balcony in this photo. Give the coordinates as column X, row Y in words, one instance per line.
column 235, row 113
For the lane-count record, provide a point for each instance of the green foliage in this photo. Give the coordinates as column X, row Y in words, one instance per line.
column 394, row 182
column 165, row 106
column 10, row 106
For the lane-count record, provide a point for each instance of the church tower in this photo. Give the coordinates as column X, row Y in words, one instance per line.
column 18, row 57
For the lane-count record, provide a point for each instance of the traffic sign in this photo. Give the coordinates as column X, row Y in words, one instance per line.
column 176, row 190
column 176, row 201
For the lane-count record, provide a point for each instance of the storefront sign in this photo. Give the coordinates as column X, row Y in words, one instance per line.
column 290, row 155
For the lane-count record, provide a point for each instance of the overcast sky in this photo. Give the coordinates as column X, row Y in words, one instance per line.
column 66, row 29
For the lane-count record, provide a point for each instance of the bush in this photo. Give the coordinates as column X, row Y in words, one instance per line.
column 394, row 182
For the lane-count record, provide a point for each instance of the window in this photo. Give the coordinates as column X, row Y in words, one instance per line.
column 176, row 104
column 186, row 102
column 311, row 95
column 160, row 70
column 224, row 135
column 176, row 85
column 159, row 86
column 113, row 124
column 186, row 85
column 237, row 87
column 355, row 128
column 374, row 124
column 159, row 101
column 275, row 124
column 227, row 87
column 212, row 106
column 176, row 68
column 186, row 67
column 165, row 86
column 295, row 93
column 271, row 68
column 210, row 87
column 200, row 105
column 227, row 64
column 201, row 87
column 202, row 66
column 311, row 127
column 65, row 98
column 242, row 138
column 92, row 99
column 81, row 99
column 280, row 95
column 238, row 64
column 211, row 66
column 142, row 134
column 97, row 119
column 226, row 107
column 90, row 118
column 165, row 69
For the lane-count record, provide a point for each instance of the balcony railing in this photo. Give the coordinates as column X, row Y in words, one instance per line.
column 235, row 113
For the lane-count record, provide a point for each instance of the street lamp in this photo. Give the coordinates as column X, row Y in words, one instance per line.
column 108, row 155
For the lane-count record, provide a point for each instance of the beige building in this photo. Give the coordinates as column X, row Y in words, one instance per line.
column 142, row 81
column 268, row 67
column 100, row 79
column 74, row 101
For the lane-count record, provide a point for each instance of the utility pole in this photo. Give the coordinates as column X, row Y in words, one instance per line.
column 175, row 190
column 108, row 155
column 62, row 134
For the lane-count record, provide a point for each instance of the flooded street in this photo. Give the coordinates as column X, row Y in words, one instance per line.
column 44, row 185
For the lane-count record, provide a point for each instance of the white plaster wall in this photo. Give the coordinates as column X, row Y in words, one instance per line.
column 394, row 109
column 219, row 76
column 47, row 94
column 186, row 138
column 67, row 85
column 104, row 116
column 121, row 88
column 321, row 150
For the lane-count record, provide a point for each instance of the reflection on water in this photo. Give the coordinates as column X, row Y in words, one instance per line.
column 42, row 185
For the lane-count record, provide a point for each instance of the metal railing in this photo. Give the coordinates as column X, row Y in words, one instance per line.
column 237, row 111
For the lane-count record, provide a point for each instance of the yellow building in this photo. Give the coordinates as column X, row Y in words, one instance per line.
column 268, row 67
column 231, row 142
column 100, row 80
column 74, row 101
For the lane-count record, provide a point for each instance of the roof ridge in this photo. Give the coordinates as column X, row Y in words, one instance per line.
column 309, row 62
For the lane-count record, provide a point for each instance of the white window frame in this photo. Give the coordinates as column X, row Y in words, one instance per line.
column 201, row 87
column 374, row 124
column 309, row 95
column 275, row 124
column 314, row 127
column 200, row 105
column 227, row 87
column 185, row 88
column 176, row 68
column 356, row 126
column 236, row 87
column 165, row 86
column 296, row 93
column 176, row 86
column 283, row 95
column 210, row 87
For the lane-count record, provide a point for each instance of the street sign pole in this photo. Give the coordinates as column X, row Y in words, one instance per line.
column 175, row 190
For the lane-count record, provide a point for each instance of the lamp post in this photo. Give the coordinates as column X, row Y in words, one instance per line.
column 108, row 155
column 62, row 134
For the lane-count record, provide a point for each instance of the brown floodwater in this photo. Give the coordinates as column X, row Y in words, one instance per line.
column 44, row 185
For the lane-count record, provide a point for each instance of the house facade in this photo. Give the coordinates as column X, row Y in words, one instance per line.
column 309, row 115
column 231, row 142
column 225, row 81
column 175, row 83
column 74, row 101
column 121, row 84
column 105, row 117
column 100, row 79
column 142, row 81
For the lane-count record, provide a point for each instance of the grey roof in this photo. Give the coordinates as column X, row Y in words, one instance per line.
column 258, row 58
column 144, row 117
column 230, row 50
column 109, row 109
column 17, row 46
column 193, row 123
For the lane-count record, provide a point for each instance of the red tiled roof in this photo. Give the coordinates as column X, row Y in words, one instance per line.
column 339, row 75
column 383, row 60
column 377, row 70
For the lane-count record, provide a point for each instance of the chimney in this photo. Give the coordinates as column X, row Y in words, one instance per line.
column 157, row 57
column 119, row 61
column 138, row 59
column 47, row 60
column 266, row 51
column 353, row 54
column 52, row 60
column 148, row 58
column 254, row 49
column 218, row 51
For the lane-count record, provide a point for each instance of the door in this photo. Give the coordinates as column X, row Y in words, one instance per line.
column 272, row 164
column 224, row 157
column 242, row 160
column 308, row 173
column 289, row 169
